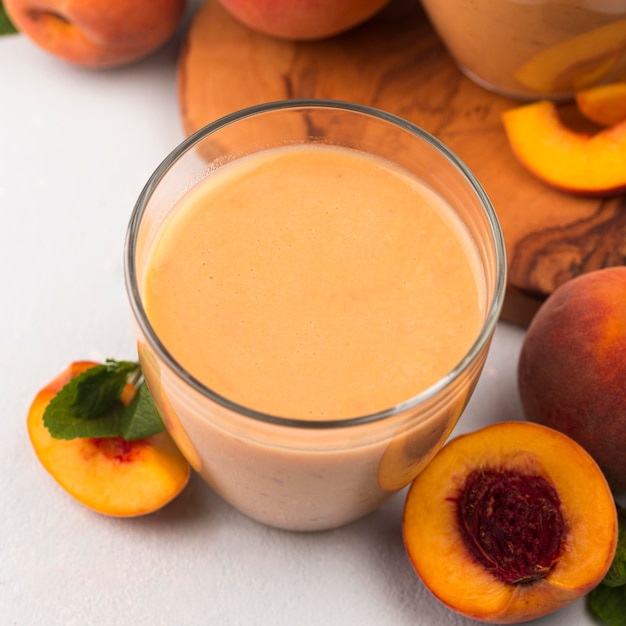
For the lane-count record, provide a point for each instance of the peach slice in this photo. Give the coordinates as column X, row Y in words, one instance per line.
column 576, row 162
column 605, row 105
column 510, row 523
column 576, row 63
column 109, row 475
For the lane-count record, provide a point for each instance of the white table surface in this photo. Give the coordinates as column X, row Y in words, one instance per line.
column 76, row 147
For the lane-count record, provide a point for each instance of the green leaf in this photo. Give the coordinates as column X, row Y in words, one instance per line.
column 98, row 389
column 140, row 418
column 89, row 405
column 608, row 604
column 63, row 424
column 6, row 26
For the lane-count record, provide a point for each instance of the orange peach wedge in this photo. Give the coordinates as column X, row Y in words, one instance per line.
column 605, row 105
column 510, row 523
column 109, row 475
column 576, row 162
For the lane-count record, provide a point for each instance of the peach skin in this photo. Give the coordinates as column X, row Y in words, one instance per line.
column 97, row 33
column 572, row 367
column 304, row 20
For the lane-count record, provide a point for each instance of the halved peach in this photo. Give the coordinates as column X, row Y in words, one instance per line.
column 510, row 523
column 576, row 162
column 109, row 475
column 576, row 63
column 605, row 105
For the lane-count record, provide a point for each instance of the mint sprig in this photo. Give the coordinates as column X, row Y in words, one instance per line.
column 608, row 600
column 141, row 418
column 89, row 405
column 6, row 26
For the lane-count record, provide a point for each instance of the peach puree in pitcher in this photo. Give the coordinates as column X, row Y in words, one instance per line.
column 314, row 282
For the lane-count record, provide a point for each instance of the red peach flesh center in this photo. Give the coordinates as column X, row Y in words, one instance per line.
column 511, row 523
column 118, row 449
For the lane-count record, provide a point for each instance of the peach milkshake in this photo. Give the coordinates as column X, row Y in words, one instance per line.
column 315, row 296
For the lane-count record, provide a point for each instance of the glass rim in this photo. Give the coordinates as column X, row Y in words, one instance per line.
column 183, row 147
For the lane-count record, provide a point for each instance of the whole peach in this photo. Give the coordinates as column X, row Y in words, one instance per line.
column 572, row 367
column 97, row 33
column 300, row 20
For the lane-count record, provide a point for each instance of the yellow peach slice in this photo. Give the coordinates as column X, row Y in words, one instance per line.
column 605, row 105
column 575, row 63
column 576, row 162
column 510, row 523
column 109, row 475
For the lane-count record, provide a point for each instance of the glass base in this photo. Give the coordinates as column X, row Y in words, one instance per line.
column 523, row 96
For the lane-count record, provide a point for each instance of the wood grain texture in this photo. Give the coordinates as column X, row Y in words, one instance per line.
column 397, row 63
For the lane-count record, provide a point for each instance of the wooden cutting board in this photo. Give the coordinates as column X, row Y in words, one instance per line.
column 396, row 62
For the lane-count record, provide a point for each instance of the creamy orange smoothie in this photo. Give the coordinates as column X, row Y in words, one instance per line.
column 313, row 283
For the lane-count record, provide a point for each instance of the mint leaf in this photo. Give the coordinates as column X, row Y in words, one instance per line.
column 98, row 389
column 140, row 418
column 63, row 424
column 6, row 26
column 609, row 604
column 89, row 405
